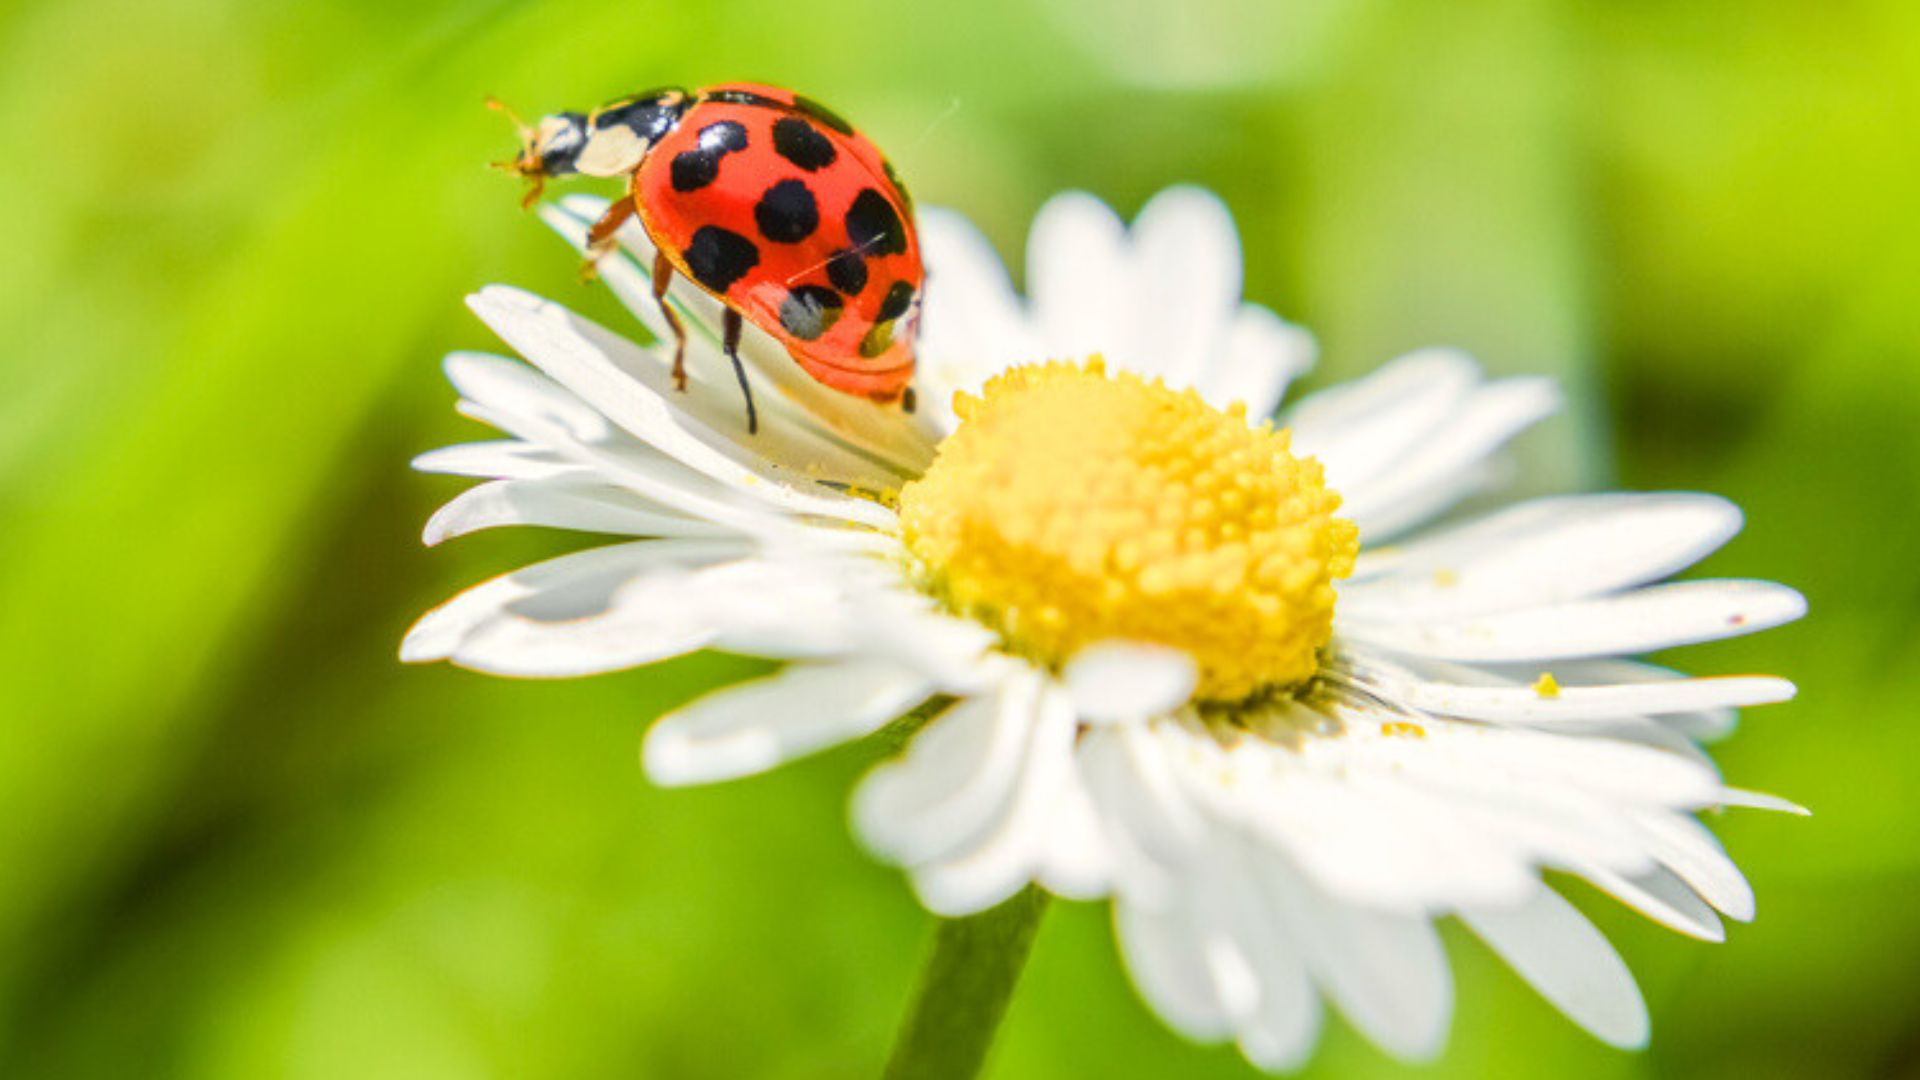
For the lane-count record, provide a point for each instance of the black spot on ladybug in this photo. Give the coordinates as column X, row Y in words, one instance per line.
column 723, row 137
column 878, row 340
column 873, row 226
column 899, row 187
column 822, row 113
column 786, row 213
column 719, row 257
column 809, row 311
column 801, row 143
column 848, row 271
column 694, row 169
column 899, row 298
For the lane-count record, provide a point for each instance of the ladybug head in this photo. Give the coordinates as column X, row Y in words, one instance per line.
column 611, row 142
column 548, row 148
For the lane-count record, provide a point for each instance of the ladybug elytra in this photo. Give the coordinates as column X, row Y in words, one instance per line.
column 770, row 203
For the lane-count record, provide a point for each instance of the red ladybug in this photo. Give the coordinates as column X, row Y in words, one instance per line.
column 769, row 202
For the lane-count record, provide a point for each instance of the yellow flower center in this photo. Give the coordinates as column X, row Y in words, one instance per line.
column 1073, row 506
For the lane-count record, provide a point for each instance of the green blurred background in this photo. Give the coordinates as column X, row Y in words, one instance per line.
column 237, row 839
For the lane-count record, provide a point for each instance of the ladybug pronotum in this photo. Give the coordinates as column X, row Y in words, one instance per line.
column 767, row 201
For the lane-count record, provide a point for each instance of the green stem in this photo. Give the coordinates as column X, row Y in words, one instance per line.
column 964, row 990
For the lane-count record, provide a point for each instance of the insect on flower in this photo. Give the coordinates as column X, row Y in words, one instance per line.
column 767, row 201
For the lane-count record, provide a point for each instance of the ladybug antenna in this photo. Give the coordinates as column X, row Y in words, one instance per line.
column 520, row 126
column 526, row 164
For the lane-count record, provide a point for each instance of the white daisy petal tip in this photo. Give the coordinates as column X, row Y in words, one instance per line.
column 670, row 758
column 1431, row 365
column 1760, row 800
column 429, row 639
column 956, row 895
column 1792, row 603
column 439, row 528
column 1189, row 202
column 1545, row 390
column 1569, row 962
column 1117, row 681
column 427, row 461
column 493, row 301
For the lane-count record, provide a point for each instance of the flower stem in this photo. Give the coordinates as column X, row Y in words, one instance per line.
column 964, row 990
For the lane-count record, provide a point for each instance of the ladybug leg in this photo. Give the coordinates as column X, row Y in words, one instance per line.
column 600, row 239
column 730, row 327
column 662, row 277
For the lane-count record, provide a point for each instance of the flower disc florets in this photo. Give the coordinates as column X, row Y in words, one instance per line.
column 1074, row 506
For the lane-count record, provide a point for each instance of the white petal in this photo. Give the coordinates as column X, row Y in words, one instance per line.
column 1132, row 782
column 1371, row 840
column 1186, row 282
column 579, row 585
column 510, row 388
column 1658, row 617
column 1545, row 552
column 436, row 634
column 1280, row 1033
column 796, row 605
column 1430, row 478
column 1169, row 969
column 1076, row 862
column 1359, row 429
column 644, row 621
column 1240, row 967
column 1757, row 800
column 1264, row 354
column 624, row 461
column 506, row 459
column 631, row 389
column 1011, row 846
column 1115, row 681
column 703, row 427
column 1503, row 759
column 1688, row 849
column 1570, row 963
column 1387, row 973
column 1542, row 799
column 1703, row 724
column 906, row 627
column 681, row 603
column 587, row 505
column 612, row 455
column 972, row 323
column 1660, row 895
column 1706, row 726
column 1078, row 278
column 1647, row 731
column 1421, row 507
column 954, row 779
column 1259, row 970
column 754, row 726
column 1525, row 704
column 974, row 300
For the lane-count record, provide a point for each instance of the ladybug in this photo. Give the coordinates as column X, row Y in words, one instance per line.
column 769, row 202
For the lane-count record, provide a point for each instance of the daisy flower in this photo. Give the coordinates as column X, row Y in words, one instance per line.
column 1173, row 653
